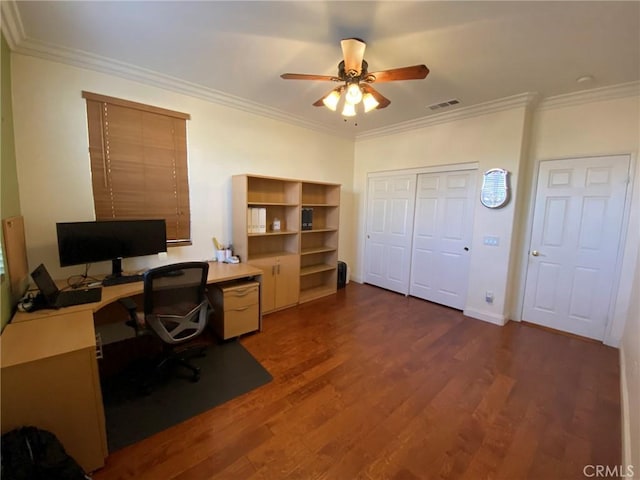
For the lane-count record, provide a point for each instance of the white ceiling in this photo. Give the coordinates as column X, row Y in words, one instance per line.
column 235, row 51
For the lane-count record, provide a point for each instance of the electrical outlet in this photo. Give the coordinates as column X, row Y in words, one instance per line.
column 488, row 297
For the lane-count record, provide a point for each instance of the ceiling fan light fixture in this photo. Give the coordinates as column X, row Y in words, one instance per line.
column 354, row 94
column 349, row 110
column 369, row 102
column 331, row 100
column 355, row 80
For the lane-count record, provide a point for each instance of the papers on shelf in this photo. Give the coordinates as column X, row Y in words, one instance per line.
column 256, row 220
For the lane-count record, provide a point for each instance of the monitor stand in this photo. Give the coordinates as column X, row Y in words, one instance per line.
column 116, row 277
column 116, row 268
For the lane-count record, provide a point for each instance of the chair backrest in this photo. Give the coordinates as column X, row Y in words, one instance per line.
column 175, row 301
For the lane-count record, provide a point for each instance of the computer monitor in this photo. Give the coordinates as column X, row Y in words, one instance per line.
column 88, row 242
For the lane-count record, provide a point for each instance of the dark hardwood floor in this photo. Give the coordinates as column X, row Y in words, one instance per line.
column 369, row 384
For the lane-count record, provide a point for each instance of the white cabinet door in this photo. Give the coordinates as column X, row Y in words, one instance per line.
column 442, row 234
column 389, row 229
column 575, row 242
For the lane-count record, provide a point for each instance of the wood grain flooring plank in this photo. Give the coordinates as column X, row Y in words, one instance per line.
column 369, row 384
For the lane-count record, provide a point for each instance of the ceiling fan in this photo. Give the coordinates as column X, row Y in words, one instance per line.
column 356, row 80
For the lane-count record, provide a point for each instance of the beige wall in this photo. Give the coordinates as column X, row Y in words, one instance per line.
column 9, row 196
column 630, row 381
column 602, row 128
column 54, row 173
column 515, row 139
column 492, row 140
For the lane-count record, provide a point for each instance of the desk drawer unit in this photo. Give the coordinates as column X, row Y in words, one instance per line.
column 236, row 309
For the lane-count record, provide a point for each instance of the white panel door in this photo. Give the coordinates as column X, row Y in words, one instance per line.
column 442, row 233
column 575, row 241
column 391, row 203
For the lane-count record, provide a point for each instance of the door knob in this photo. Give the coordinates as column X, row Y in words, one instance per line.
column 535, row 253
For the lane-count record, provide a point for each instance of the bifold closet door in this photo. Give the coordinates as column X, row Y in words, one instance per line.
column 442, row 233
column 390, row 208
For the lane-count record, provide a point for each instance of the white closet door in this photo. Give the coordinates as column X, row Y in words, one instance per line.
column 575, row 242
column 442, row 237
column 390, row 210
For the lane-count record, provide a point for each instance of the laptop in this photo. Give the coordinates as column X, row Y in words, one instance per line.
column 55, row 298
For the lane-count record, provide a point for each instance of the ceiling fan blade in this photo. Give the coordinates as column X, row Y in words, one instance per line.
column 353, row 53
column 319, row 103
column 381, row 99
column 304, row 76
column 415, row 72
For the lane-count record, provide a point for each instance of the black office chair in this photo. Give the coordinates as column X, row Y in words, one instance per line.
column 176, row 310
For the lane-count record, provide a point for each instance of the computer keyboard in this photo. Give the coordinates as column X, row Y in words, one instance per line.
column 111, row 281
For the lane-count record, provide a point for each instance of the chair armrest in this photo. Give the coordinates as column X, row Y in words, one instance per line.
column 132, row 307
column 129, row 304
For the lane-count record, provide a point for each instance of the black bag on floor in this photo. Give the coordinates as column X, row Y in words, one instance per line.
column 29, row 453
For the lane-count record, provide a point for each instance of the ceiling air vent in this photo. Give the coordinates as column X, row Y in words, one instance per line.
column 448, row 103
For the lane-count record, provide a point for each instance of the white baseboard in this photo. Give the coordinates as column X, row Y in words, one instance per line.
column 624, row 406
column 489, row 317
column 485, row 316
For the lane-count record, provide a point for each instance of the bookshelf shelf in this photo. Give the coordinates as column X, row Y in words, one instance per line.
column 312, row 269
column 319, row 230
column 314, row 250
column 316, row 292
column 271, row 204
column 289, row 232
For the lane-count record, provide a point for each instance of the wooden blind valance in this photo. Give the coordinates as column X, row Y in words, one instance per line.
column 139, row 163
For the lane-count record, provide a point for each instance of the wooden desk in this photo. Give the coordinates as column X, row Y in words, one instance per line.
column 218, row 273
column 50, row 377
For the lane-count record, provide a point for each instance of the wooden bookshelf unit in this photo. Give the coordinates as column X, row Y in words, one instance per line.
column 299, row 264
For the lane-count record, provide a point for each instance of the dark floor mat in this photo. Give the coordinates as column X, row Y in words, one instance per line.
column 227, row 371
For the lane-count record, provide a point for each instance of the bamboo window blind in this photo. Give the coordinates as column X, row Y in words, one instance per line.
column 139, row 163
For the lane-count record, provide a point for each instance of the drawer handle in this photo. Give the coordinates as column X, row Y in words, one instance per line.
column 242, row 293
column 242, row 309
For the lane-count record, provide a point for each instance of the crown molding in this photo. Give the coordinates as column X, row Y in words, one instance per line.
column 508, row 103
column 13, row 30
column 623, row 90
column 12, row 27
column 109, row 66
column 19, row 43
column 25, row 46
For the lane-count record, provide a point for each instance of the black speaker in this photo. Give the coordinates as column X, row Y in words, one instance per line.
column 342, row 274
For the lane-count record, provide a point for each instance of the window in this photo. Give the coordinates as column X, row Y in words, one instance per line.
column 139, row 163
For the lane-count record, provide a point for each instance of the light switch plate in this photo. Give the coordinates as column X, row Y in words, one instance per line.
column 491, row 241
